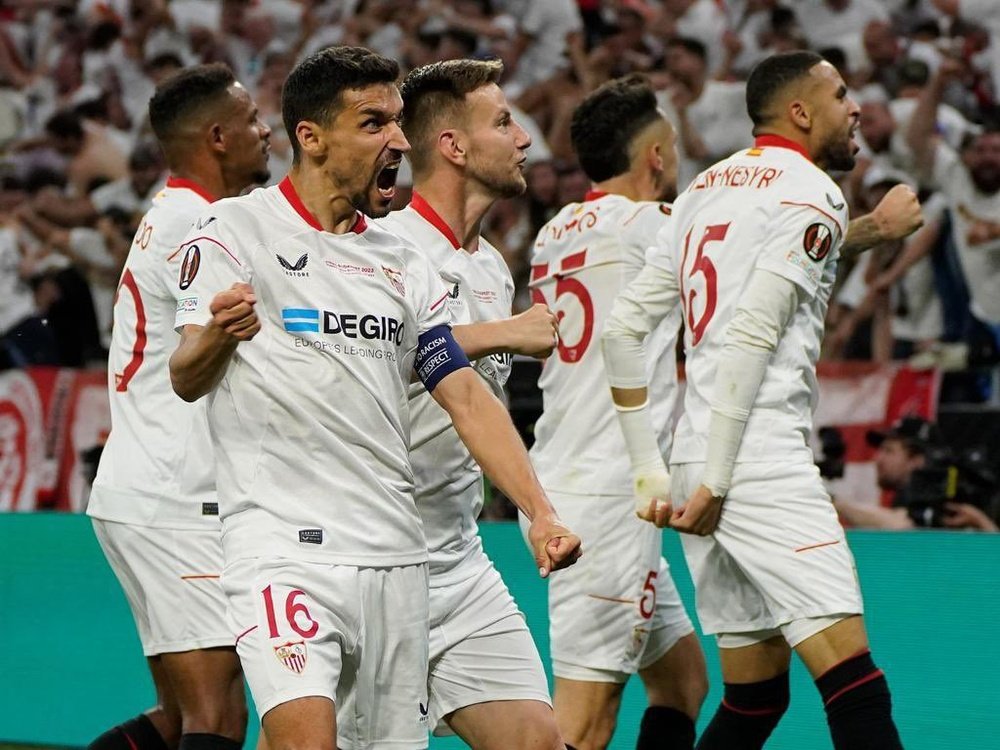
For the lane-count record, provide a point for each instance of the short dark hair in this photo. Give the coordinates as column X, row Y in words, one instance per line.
column 65, row 124
column 693, row 46
column 186, row 93
column 312, row 90
column 607, row 121
column 433, row 91
column 771, row 76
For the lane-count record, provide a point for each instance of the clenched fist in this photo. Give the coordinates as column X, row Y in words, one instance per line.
column 536, row 331
column 898, row 214
column 553, row 544
column 232, row 311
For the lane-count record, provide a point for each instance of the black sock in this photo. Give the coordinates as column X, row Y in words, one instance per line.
column 858, row 706
column 747, row 716
column 208, row 742
column 135, row 734
column 665, row 728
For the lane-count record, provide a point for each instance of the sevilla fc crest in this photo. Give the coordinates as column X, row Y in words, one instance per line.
column 395, row 278
column 292, row 655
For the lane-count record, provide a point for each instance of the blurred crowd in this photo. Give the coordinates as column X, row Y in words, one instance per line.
column 78, row 166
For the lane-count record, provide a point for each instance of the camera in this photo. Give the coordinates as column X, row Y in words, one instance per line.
column 949, row 475
column 833, row 449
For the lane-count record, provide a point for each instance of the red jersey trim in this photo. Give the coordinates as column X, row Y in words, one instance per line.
column 194, row 187
column 291, row 195
column 593, row 195
column 422, row 207
column 779, row 141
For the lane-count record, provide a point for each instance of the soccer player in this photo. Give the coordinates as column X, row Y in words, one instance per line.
column 305, row 323
column 617, row 611
column 751, row 255
column 154, row 499
column 486, row 682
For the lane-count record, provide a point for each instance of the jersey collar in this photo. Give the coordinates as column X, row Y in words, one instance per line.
column 288, row 190
column 593, row 195
column 419, row 204
column 779, row 141
column 186, row 184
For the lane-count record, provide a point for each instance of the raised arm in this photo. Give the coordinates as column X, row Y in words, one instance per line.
column 896, row 216
column 533, row 333
column 921, row 135
column 651, row 296
column 201, row 358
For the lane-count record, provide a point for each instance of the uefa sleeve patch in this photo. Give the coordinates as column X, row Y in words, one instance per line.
column 817, row 241
column 190, row 266
column 438, row 355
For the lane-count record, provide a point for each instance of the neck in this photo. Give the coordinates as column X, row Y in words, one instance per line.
column 458, row 203
column 207, row 173
column 793, row 137
column 332, row 208
column 636, row 187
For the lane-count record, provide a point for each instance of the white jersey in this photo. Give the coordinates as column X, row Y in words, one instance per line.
column 157, row 468
column 770, row 208
column 310, row 420
column 581, row 260
column 448, row 480
column 981, row 262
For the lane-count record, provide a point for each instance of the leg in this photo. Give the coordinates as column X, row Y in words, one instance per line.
column 855, row 692
column 676, row 685
column 158, row 728
column 301, row 724
column 587, row 712
column 500, row 725
column 208, row 684
column 756, row 693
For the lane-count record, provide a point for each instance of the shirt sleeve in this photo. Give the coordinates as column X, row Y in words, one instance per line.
column 429, row 294
column 209, row 260
column 805, row 233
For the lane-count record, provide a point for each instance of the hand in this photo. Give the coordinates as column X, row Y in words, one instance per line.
column 982, row 231
column 232, row 311
column 553, row 544
column 652, row 496
column 536, row 331
column 681, row 97
column 965, row 516
column 700, row 515
column 898, row 214
column 883, row 282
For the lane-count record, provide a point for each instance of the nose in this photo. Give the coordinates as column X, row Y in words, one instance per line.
column 397, row 141
column 265, row 130
column 521, row 138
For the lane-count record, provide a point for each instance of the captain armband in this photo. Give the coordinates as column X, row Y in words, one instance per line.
column 438, row 355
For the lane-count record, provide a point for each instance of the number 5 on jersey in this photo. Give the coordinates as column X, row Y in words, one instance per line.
column 701, row 265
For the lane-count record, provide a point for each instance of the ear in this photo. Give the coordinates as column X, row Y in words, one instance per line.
column 310, row 138
column 800, row 114
column 654, row 157
column 451, row 145
column 216, row 137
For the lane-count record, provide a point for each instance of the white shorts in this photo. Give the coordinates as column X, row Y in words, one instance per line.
column 357, row 636
column 778, row 556
column 171, row 581
column 616, row 611
column 480, row 647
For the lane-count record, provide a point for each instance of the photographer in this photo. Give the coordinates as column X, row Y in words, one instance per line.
column 931, row 485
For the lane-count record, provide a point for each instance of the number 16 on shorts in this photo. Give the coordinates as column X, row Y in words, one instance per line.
column 289, row 625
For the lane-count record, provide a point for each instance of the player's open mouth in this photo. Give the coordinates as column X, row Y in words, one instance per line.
column 386, row 180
